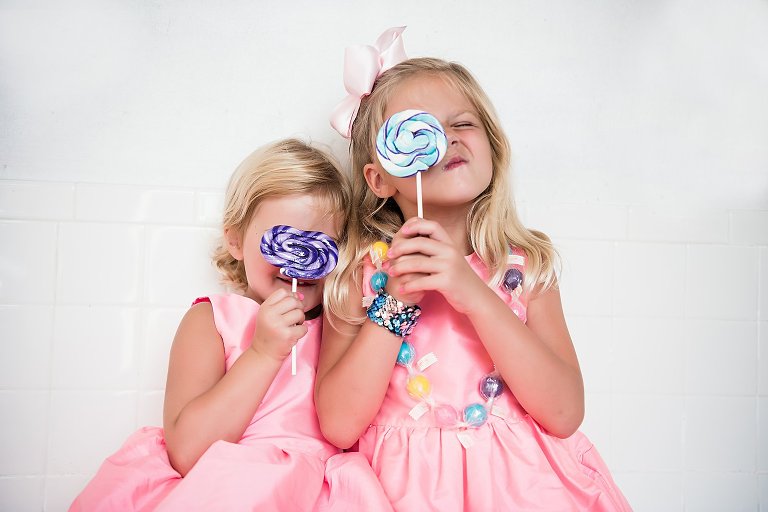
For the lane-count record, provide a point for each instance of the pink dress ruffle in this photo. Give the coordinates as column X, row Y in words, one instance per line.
column 510, row 464
column 282, row 461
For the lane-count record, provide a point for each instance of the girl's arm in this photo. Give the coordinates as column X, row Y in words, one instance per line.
column 353, row 373
column 537, row 360
column 205, row 404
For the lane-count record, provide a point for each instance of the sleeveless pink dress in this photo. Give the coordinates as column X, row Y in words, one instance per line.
column 509, row 463
column 282, row 461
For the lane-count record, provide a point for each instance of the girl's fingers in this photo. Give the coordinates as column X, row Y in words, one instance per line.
column 415, row 226
column 276, row 297
column 288, row 303
column 418, row 245
column 414, row 265
column 297, row 332
column 422, row 283
column 294, row 317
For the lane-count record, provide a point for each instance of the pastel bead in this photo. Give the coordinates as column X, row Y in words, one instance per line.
column 491, row 386
column 512, row 279
column 406, row 354
column 446, row 416
column 418, row 386
column 475, row 415
column 379, row 281
column 379, row 251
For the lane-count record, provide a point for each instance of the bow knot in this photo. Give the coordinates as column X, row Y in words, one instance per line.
column 362, row 65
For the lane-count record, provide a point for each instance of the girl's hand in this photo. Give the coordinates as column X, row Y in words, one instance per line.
column 423, row 257
column 279, row 325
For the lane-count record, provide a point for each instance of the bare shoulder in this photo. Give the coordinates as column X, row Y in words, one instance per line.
column 196, row 361
column 198, row 320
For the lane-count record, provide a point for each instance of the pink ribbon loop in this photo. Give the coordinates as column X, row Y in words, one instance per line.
column 362, row 65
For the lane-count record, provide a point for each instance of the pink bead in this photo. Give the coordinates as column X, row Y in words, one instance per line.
column 445, row 415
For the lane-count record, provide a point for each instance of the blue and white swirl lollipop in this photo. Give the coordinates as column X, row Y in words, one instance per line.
column 410, row 142
column 300, row 255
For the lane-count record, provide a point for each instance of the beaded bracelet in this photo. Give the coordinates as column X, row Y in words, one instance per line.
column 393, row 315
column 384, row 309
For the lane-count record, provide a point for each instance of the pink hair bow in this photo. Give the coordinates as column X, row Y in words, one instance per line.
column 362, row 65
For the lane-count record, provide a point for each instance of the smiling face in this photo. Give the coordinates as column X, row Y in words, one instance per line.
column 305, row 212
column 467, row 168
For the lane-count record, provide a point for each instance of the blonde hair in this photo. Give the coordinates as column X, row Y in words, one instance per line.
column 493, row 223
column 282, row 168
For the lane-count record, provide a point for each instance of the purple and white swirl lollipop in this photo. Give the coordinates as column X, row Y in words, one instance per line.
column 300, row 255
column 410, row 142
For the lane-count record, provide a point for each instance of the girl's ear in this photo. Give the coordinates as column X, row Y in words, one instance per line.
column 234, row 243
column 377, row 183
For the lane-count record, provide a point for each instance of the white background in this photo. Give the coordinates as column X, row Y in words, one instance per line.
column 640, row 139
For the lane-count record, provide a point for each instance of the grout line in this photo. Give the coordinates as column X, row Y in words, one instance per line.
column 51, row 351
column 686, row 353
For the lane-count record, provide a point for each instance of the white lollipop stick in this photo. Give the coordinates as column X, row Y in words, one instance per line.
column 418, row 196
column 293, row 348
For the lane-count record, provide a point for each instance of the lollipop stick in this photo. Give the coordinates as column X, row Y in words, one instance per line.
column 293, row 348
column 418, row 196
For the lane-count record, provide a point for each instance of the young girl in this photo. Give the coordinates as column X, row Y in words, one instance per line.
column 240, row 432
column 477, row 407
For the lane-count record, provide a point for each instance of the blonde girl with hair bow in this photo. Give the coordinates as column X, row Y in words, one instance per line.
column 447, row 358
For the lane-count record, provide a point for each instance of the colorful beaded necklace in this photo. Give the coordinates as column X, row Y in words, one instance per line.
column 418, row 385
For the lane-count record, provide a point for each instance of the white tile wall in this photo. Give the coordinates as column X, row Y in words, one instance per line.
column 649, row 173
column 649, row 355
column 99, row 263
column 649, row 280
column 647, row 432
column 86, row 427
column 28, row 262
column 722, row 282
column 23, row 432
column 653, row 491
column 716, row 492
column 27, row 332
column 711, row 423
column 763, row 292
column 762, row 373
column 23, row 493
column 722, row 355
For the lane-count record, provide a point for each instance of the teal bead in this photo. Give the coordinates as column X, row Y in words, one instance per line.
column 379, row 281
column 406, row 354
column 475, row 415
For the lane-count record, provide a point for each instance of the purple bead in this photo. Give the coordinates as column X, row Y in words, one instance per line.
column 512, row 279
column 491, row 386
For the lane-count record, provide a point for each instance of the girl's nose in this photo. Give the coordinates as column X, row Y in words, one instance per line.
column 451, row 137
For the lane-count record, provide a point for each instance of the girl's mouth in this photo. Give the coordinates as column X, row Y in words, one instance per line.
column 454, row 163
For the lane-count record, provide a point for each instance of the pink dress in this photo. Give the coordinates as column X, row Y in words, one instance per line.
column 509, row 463
column 282, row 461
